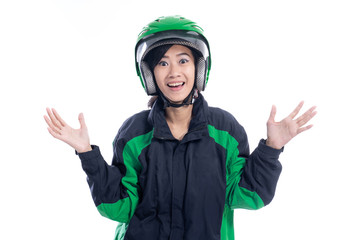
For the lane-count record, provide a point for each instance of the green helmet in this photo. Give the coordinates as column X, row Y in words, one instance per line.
column 172, row 30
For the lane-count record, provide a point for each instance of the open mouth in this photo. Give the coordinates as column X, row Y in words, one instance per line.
column 175, row 85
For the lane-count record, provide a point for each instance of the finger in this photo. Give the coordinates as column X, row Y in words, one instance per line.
column 51, row 125
column 300, row 130
column 306, row 117
column 296, row 110
column 53, row 133
column 57, row 116
column 82, row 121
column 272, row 114
column 54, row 121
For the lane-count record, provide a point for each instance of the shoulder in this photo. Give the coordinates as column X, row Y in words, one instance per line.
column 223, row 120
column 224, row 125
column 134, row 126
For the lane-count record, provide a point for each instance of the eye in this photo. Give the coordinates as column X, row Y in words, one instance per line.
column 162, row 63
column 183, row 61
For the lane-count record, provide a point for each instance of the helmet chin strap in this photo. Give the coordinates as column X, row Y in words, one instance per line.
column 190, row 99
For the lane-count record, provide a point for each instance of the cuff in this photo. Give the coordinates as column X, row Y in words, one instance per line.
column 90, row 160
column 95, row 152
column 265, row 149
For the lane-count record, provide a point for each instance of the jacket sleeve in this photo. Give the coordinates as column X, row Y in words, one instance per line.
column 114, row 188
column 252, row 179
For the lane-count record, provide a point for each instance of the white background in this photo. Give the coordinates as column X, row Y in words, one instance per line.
column 78, row 56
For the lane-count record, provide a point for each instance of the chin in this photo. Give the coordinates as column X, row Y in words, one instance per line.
column 176, row 101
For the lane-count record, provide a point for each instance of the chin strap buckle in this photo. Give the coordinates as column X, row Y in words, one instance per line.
column 190, row 99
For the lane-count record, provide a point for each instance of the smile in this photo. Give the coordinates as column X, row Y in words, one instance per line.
column 177, row 84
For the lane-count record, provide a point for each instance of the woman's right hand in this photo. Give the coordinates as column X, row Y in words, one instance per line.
column 76, row 138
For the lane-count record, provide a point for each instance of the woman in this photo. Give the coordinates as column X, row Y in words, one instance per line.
column 181, row 168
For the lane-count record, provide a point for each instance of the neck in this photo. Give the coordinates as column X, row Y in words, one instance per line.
column 179, row 116
column 178, row 120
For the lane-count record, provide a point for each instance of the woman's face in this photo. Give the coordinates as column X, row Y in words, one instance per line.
column 175, row 73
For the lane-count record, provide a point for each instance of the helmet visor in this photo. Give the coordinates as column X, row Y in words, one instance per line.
column 186, row 38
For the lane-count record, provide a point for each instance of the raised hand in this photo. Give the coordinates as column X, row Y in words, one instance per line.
column 76, row 138
column 280, row 133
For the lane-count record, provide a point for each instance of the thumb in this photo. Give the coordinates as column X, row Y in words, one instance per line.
column 272, row 114
column 82, row 120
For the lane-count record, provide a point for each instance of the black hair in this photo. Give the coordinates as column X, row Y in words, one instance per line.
column 155, row 55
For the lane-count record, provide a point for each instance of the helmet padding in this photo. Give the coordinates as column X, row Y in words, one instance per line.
column 149, row 62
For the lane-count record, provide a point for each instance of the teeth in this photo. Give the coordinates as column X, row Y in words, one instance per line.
column 175, row 84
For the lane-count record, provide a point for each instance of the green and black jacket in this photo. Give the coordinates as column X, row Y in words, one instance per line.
column 160, row 188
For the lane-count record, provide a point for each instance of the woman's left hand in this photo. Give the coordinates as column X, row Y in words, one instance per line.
column 280, row 133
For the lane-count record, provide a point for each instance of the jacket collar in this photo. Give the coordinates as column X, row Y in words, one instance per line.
column 198, row 124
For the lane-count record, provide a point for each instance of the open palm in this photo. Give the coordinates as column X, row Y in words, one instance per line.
column 76, row 138
column 280, row 133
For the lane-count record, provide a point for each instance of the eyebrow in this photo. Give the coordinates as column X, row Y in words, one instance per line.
column 179, row 54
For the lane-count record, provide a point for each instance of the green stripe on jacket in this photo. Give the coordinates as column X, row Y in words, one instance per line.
column 236, row 196
column 119, row 211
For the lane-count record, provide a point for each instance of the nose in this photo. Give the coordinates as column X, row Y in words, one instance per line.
column 174, row 71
